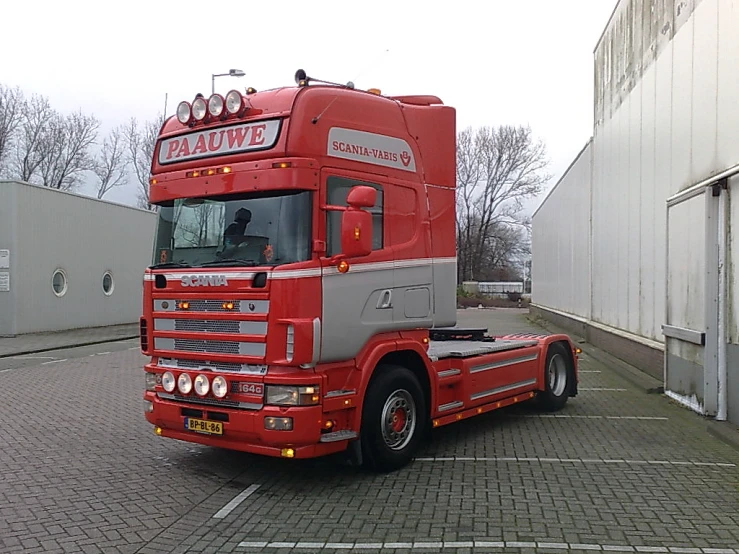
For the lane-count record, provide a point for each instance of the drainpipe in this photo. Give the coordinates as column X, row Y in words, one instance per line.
column 723, row 196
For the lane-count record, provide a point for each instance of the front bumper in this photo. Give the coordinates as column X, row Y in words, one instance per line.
column 244, row 431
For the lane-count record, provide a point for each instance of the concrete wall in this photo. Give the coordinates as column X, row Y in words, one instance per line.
column 561, row 242
column 85, row 238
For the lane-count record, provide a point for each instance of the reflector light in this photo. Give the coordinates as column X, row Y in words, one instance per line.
column 215, row 105
column 183, row 112
column 281, row 165
column 234, row 102
column 199, row 109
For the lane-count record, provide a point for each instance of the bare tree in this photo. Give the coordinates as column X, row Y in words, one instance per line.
column 36, row 116
column 110, row 164
column 497, row 168
column 141, row 140
column 65, row 153
column 11, row 116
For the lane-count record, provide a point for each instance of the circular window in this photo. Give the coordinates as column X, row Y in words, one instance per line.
column 59, row 282
column 108, row 284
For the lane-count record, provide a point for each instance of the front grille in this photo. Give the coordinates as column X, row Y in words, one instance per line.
column 209, row 306
column 206, row 326
column 226, row 367
column 207, row 346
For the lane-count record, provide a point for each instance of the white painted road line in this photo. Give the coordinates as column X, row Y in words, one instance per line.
column 572, row 461
column 54, row 362
column 600, row 389
column 135, row 348
column 565, row 416
column 484, row 543
column 238, row 499
column 590, row 371
column 32, row 358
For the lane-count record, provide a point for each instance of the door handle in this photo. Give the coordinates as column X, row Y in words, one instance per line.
column 386, row 300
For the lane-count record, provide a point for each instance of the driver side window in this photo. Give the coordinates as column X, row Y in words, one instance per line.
column 337, row 189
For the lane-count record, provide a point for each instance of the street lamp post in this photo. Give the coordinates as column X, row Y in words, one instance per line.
column 231, row 73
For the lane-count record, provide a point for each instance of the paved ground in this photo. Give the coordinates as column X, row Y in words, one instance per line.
column 617, row 470
column 43, row 342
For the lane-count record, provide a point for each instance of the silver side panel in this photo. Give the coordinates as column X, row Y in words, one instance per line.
column 356, row 305
column 445, row 292
column 380, row 297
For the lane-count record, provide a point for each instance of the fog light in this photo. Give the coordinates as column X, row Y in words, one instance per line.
column 278, row 423
column 148, row 406
column 158, row 431
column 287, row 453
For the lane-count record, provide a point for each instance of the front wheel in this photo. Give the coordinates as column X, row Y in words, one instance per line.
column 558, row 372
column 393, row 419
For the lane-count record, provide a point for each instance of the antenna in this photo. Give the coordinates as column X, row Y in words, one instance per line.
column 306, row 80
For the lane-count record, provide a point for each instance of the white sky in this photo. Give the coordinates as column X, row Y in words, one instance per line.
column 495, row 61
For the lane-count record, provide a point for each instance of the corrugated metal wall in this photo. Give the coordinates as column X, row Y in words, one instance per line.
column 85, row 238
column 666, row 118
column 8, row 275
column 561, row 242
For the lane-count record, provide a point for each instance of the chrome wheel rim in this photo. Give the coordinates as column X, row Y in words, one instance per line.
column 398, row 420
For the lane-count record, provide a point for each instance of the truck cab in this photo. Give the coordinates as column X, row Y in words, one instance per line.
column 304, row 251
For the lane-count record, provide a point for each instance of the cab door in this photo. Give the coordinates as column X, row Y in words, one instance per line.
column 359, row 303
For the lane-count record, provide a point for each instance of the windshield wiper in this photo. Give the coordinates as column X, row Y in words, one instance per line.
column 166, row 265
column 230, row 262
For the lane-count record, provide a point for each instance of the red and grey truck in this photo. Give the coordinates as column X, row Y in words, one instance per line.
column 302, row 296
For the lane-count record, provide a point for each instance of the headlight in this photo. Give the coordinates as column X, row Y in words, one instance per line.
column 184, row 383
column 220, row 387
column 183, row 113
column 199, row 107
column 234, row 102
column 168, row 381
column 151, row 380
column 277, row 395
column 215, row 105
column 202, row 385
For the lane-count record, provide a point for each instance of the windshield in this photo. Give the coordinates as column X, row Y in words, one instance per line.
column 234, row 230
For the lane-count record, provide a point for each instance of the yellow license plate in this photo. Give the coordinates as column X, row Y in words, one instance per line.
column 204, row 426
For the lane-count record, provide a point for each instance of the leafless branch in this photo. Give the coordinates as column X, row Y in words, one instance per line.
column 12, row 104
column 37, row 114
column 110, row 164
column 141, row 140
column 497, row 168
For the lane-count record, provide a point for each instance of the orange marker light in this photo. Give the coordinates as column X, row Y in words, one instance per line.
column 184, row 305
column 153, row 181
column 228, row 305
column 210, row 171
column 357, row 233
column 343, row 266
column 226, row 169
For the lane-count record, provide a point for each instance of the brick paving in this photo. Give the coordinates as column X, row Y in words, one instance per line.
column 82, row 472
column 43, row 342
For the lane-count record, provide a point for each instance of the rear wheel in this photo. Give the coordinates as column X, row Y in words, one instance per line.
column 393, row 419
column 558, row 372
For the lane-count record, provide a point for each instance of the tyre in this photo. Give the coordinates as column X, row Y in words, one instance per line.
column 394, row 417
column 558, row 372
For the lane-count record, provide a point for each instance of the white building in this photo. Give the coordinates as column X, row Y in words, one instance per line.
column 633, row 248
column 69, row 261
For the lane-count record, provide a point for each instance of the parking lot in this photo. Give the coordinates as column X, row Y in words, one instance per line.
column 617, row 470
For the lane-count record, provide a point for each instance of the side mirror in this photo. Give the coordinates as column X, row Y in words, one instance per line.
column 361, row 196
column 356, row 231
